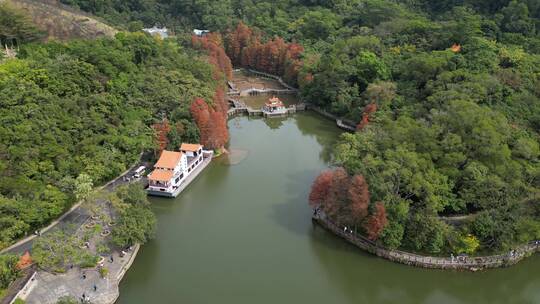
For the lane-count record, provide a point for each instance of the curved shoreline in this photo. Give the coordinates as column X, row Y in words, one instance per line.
column 431, row 262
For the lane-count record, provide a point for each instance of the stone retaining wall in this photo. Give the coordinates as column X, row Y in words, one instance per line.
column 277, row 78
column 412, row 259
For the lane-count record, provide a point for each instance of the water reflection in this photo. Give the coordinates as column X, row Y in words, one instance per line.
column 275, row 123
column 322, row 129
column 367, row 279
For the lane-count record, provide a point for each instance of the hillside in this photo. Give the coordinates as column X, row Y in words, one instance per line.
column 445, row 93
column 61, row 22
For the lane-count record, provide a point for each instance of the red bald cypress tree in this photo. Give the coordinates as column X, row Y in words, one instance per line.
column 212, row 124
column 245, row 47
column 376, row 222
column 220, row 105
column 336, row 199
column 161, row 130
column 213, row 44
column 238, row 40
column 359, row 198
column 201, row 113
column 320, row 188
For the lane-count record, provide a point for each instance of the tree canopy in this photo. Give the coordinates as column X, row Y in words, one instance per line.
column 75, row 115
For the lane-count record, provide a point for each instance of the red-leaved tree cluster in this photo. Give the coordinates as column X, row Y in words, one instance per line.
column 346, row 199
column 213, row 44
column 212, row 120
column 212, row 124
column 246, row 48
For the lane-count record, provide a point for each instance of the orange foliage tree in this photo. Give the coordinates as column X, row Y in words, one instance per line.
column 212, row 124
column 320, row 187
column 340, row 196
column 245, row 48
column 376, row 222
column 212, row 121
column 366, row 115
column 213, row 44
column 161, row 130
column 359, row 198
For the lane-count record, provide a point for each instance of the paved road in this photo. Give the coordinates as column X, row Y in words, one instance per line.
column 75, row 218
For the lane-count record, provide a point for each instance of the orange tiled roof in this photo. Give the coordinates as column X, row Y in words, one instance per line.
column 168, row 159
column 159, row 175
column 190, row 147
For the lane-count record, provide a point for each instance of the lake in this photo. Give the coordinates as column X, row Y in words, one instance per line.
column 242, row 233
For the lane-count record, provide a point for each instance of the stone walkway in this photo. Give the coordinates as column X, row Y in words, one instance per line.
column 48, row 288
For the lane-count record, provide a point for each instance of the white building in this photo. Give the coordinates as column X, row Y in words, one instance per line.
column 173, row 168
column 169, row 172
column 156, row 31
column 200, row 33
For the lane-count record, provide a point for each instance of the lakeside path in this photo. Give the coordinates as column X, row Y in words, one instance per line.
column 72, row 219
column 47, row 288
column 473, row 263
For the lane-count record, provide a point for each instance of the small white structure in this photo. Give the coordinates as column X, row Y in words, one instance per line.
column 173, row 168
column 200, row 33
column 139, row 172
column 156, row 31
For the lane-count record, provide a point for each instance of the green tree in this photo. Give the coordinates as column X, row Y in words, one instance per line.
column 16, row 27
column 58, row 249
column 136, row 223
column 8, row 269
column 467, row 244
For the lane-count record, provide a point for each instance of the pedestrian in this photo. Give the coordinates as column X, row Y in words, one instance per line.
column 95, row 287
column 112, row 259
column 84, row 276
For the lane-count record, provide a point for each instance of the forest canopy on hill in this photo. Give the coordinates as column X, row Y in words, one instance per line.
column 82, row 112
column 446, row 95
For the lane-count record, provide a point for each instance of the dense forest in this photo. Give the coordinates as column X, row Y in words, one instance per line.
column 80, row 113
column 446, row 95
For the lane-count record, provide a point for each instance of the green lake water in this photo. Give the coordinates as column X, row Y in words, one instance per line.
column 242, row 233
